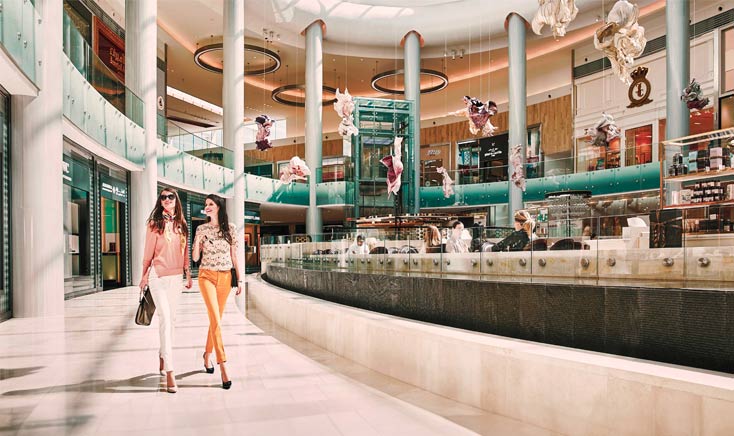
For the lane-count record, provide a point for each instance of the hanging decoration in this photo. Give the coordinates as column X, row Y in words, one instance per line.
column 394, row 166
column 557, row 14
column 478, row 114
column 621, row 39
column 693, row 96
column 518, row 174
column 344, row 106
column 604, row 132
column 296, row 170
column 264, row 123
column 448, row 190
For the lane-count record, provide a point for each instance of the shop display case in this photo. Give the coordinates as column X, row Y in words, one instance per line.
column 701, row 172
column 697, row 190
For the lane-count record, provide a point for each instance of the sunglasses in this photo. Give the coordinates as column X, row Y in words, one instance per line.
column 168, row 197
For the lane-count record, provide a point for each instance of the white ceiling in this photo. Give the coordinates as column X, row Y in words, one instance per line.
column 362, row 39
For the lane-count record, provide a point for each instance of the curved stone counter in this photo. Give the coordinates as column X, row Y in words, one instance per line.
column 680, row 326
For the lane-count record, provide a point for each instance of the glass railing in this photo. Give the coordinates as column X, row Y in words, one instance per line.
column 98, row 118
column 194, row 144
column 685, row 248
column 106, row 82
column 19, row 28
column 162, row 127
column 182, row 168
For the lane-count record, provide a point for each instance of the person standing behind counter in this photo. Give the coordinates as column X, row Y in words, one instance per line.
column 455, row 243
column 358, row 247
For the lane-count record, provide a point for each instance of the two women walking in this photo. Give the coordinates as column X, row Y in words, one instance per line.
column 166, row 259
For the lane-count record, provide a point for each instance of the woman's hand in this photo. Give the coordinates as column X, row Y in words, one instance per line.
column 239, row 289
column 189, row 282
column 143, row 283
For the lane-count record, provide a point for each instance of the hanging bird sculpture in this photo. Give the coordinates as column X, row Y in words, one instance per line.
column 264, row 123
column 344, row 106
column 394, row 166
column 693, row 96
column 478, row 114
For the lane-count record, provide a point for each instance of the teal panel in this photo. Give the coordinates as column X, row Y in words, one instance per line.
column 650, row 176
column 497, row 193
column 577, row 182
column 554, row 183
column 534, row 189
column 627, row 179
column 432, row 196
column 602, row 182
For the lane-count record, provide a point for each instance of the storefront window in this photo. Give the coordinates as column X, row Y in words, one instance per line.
column 78, row 222
column 114, row 227
column 592, row 158
column 638, row 145
column 727, row 112
column 728, row 60
column 433, row 157
column 6, row 305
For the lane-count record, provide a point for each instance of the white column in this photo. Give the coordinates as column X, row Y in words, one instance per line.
column 314, row 120
column 141, row 40
column 37, row 191
column 233, row 104
column 413, row 42
column 516, row 27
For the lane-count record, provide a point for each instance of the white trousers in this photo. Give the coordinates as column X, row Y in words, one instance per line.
column 165, row 292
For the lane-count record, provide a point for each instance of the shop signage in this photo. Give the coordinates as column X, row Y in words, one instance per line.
column 434, row 152
column 113, row 189
column 110, row 48
column 75, row 173
column 639, row 90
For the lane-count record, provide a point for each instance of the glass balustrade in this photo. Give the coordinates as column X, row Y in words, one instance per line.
column 195, row 144
column 182, row 168
column 691, row 248
column 19, row 27
column 104, row 81
column 98, row 118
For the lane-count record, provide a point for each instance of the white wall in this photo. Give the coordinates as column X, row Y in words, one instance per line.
column 604, row 92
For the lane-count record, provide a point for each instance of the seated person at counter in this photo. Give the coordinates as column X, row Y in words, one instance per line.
column 358, row 247
column 455, row 243
column 431, row 240
column 520, row 237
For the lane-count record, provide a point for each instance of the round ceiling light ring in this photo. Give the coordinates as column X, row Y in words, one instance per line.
column 248, row 47
column 432, row 73
column 275, row 95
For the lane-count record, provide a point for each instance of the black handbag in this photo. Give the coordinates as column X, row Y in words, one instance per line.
column 234, row 280
column 146, row 308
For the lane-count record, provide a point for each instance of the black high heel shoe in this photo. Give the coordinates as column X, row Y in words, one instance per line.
column 208, row 370
column 226, row 384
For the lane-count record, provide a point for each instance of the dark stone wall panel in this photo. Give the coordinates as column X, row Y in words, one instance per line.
column 680, row 326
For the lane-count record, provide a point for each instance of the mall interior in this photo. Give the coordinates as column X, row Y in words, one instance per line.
column 452, row 216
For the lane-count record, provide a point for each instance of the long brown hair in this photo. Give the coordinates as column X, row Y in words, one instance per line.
column 158, row 224
column 432, row 237
column 221, row 217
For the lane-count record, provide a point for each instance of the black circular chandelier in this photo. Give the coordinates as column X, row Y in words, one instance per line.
column 275, row 59
column 424, row 72
column 276, row 95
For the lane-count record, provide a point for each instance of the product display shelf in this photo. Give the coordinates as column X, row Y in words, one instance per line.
column 713, row 152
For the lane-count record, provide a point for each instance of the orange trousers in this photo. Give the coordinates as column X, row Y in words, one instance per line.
column 215, row 287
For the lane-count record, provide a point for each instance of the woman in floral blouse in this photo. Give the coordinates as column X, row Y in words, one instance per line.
column 215, row 244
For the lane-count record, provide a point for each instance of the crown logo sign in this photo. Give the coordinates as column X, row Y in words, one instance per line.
column 639, row 73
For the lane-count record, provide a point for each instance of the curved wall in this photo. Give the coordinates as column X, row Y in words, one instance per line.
column 686, row 327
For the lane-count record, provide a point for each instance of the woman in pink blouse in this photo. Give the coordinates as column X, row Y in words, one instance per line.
column 165, row 260
column 215, row 244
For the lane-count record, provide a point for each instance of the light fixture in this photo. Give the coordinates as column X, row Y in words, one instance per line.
column 274, row 58
column 424, row 72
column 275, row 95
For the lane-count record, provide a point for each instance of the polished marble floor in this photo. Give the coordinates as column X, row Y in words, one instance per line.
column 93, row 371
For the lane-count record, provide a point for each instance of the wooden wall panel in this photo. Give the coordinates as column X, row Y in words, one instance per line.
column 554, row 116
